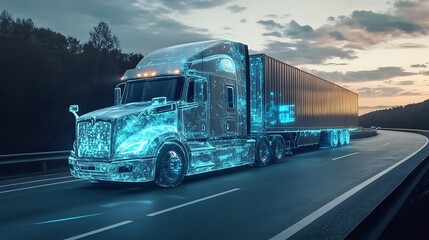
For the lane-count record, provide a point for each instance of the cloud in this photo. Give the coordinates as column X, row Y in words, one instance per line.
column 236, row 8
column 367, row 92
column 304, row 52
column 297, row 31
column 337, row 35
column 360, row 30
column 273, row 34
column 381, row 73
column 187, row 5
column 404, row 83
column 426, row 73
column 334, row 64
column 270, row 24
column 381, row 23
column 405, row 4
column 412, row 45
column 418, row 66
column 277, row 16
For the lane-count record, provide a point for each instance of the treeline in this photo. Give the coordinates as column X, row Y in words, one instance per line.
column 42, row 72
column 413, row 116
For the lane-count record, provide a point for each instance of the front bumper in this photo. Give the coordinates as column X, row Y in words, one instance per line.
column 130, row 170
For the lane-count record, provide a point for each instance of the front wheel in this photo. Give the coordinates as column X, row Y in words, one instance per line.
column 171, row 165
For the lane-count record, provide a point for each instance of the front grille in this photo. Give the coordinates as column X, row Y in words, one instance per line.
column 93, row 140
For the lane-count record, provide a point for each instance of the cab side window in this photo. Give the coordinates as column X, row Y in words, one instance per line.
column 191, row 92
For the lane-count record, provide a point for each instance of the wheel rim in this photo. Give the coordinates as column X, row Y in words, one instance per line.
column 263, row 152
column 174, row 165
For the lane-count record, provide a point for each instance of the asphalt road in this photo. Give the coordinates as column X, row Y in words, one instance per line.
column 312, row 195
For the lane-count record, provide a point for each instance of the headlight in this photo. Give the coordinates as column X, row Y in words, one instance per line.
column 133, row 148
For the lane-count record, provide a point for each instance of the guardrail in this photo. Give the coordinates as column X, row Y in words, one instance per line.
column 12, row 165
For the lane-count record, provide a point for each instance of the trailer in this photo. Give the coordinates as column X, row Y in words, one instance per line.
column 207, row 106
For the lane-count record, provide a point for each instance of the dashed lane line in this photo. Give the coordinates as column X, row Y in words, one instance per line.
column 192, row 202
column 99, row 230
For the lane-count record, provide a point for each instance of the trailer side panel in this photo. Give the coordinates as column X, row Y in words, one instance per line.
column 285, row 98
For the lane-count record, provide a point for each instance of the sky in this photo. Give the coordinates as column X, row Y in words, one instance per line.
column 377, row 48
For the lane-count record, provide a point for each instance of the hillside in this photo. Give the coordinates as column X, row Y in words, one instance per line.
column 415, row 116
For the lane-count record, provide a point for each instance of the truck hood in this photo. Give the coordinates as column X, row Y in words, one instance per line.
column 116, row 112
column 128, row 123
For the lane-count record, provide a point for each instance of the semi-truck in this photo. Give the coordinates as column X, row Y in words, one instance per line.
column 206, row 106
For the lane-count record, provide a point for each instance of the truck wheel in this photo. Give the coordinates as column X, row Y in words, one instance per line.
column 263, row 153
column 342, row 137
column 333, row 138
column 278, row 149
column 347, row 133
column 170, row 165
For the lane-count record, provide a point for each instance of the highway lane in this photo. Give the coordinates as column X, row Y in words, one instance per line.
column 299, row 195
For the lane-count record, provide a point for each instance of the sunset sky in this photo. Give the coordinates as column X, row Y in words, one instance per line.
column 377, row 48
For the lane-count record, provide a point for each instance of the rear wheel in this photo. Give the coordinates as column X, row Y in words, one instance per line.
column 263, row 153
column 171, row 165
column 334, row 138
column 347, row 134
column 342, row 137
column 278, row 149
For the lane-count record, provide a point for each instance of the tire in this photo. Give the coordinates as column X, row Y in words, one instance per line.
column 171, row 165
column 333, row 138
column 347, row 133
column 263, row 151
column 342, row 138
column 278, row 149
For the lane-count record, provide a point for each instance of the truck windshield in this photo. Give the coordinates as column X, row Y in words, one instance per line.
column 146, row 90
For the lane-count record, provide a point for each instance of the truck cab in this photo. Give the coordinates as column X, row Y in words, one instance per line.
column 183, row 111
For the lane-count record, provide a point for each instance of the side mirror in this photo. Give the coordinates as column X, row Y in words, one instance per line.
column 74, row 109
column 117, row 96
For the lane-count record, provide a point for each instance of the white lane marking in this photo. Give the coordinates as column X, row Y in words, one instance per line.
column 99, row 230
column 67, row 219
column 39, row 186
column 386, row 144
column 348, row 155
column 192, row 202
column 42, row 180
column 290, row 231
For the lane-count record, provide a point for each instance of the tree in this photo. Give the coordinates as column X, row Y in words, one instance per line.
column 102, row 38
column 73, row 45
column 6, row 24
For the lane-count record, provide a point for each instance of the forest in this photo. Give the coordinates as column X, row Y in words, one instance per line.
column 413, row 116
column 42, row 72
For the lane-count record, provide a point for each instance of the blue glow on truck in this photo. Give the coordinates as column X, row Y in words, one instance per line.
column 287, row 113
column 186, row 110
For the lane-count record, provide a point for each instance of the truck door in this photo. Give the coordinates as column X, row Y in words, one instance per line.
column 223, row 107
column 194, row 113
